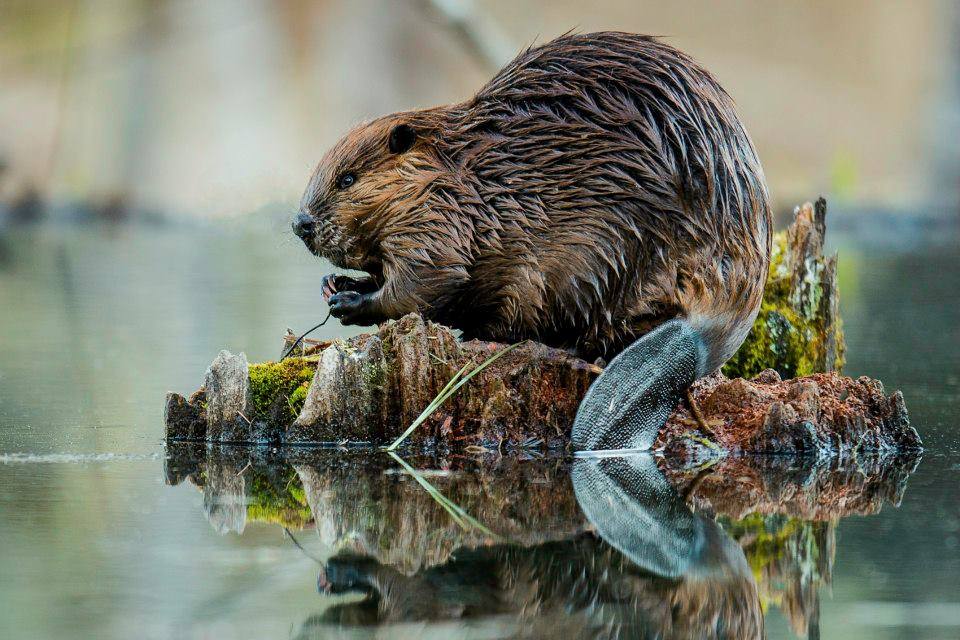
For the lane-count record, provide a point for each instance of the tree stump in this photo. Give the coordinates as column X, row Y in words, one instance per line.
column 371, row 387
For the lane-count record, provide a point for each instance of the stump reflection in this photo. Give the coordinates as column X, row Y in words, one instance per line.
column 537, row 547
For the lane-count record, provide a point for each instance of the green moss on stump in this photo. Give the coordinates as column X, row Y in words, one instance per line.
column 286, row 381
column 769, row 535
column 785, row 336
column 281, row 501
column 296, row 399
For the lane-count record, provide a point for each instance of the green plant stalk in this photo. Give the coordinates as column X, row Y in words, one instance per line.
column 459, row 516
column 707, row 442
column 451, row 388
column 433, row 492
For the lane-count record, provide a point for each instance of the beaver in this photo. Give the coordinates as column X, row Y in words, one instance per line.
column 599, row 189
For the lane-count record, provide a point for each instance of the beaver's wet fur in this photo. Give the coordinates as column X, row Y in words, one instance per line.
column 597, row 186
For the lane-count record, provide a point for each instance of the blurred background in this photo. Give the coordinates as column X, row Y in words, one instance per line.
column 215, row 108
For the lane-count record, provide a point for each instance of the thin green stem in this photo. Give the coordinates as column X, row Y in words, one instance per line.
column 461, row 517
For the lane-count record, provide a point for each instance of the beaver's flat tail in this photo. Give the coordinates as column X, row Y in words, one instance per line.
column 636, row 393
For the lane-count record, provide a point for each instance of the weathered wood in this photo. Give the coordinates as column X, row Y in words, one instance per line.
column 369, row 388
column 824, row 413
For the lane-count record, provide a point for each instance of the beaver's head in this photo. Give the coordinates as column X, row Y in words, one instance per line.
column 375, row 177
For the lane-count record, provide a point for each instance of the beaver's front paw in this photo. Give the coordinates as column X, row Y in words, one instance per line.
column 347, row 306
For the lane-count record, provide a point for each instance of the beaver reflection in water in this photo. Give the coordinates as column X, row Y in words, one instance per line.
column 599, row 187
column 650, row 568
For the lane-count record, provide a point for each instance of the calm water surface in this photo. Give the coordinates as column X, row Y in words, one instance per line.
column 106, row 533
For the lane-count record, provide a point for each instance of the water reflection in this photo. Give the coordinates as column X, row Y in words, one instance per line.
column 594, row 547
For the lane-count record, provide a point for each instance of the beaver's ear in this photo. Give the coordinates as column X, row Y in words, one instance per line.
column 402, row 138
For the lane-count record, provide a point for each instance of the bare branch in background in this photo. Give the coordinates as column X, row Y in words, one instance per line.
column 63, row 91
column 476, row 31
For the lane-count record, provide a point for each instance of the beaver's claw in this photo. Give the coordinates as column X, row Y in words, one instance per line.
column 328, row 286
column 336, row 283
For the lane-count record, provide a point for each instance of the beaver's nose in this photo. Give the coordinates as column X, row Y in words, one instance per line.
column 303, row 225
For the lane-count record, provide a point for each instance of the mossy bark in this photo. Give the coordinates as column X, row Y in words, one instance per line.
column 369, row 388
column 278, row 389
column 798, row 330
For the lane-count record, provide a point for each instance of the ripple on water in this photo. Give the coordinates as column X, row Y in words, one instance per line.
column 73, row 458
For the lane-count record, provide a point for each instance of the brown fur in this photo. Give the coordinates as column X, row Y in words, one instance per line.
column 597, row 186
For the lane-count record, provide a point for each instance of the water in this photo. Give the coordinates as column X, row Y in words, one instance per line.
column 106, row 533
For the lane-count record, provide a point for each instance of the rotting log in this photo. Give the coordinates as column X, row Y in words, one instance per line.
column 823, row 413
column 369, row 388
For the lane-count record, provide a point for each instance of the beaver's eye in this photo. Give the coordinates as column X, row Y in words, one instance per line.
column 346, row 181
